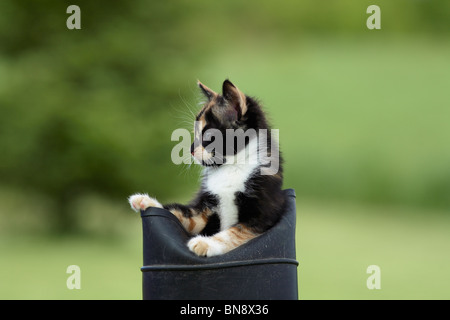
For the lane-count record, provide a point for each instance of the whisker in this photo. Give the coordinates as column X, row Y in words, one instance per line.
column 187, row 105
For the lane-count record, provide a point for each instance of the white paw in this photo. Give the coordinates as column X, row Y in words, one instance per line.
column 206, row 246
column 140, row 201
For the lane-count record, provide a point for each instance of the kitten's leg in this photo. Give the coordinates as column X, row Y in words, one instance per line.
column 221, row 242
column 140, row 201
column 192, row 218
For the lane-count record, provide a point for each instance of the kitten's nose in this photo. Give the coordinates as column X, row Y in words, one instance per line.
column 192, row 149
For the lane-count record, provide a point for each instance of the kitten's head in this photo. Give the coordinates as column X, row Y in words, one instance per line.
column 221, row 123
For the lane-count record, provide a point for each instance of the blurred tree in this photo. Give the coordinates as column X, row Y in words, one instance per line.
column 83, row 110
column 89, row 110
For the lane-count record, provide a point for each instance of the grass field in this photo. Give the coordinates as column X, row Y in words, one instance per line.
column 336, row 243
column 363, row 124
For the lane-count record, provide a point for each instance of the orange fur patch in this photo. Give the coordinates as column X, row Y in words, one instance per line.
column 194, row 224
column 235, row 236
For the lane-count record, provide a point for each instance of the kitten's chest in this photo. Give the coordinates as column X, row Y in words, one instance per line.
column 225, row 182
column 226, row 179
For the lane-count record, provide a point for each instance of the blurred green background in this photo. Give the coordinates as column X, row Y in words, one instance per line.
column 86, row 117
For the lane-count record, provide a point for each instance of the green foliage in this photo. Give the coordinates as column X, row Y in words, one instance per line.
column 86, row 112
column 91, row 111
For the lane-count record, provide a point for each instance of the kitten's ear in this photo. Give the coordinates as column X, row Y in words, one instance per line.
column 206, row 91
column 233, row 95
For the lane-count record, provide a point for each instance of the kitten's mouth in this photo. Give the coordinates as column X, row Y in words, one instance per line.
column 205, row 158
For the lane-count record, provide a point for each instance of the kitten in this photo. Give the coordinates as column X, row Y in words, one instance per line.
column 236, row 202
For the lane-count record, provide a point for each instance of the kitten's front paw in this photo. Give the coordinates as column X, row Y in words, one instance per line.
column 142, row 201
column 205, row 246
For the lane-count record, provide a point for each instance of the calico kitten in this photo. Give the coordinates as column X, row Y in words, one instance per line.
column 236, row 201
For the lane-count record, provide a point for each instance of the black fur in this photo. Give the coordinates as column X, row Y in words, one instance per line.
column 262, row 203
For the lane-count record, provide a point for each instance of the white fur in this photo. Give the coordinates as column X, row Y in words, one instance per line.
column 141, row 201
column 226, row 180
column 214, row 247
